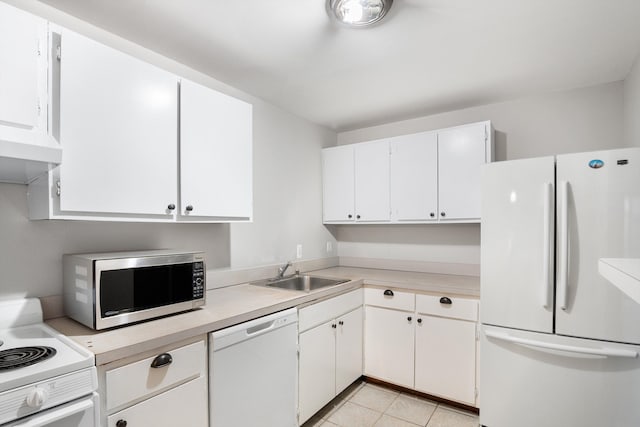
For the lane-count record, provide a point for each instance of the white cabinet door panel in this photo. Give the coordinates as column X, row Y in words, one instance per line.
column 445, row 358
column 414, row 177
column 461, row 151
column 338, row 184
column 23, row 77
column 118, row 130
column 316, row 369
column 348, row 349
column 215, row 153
column 19, row 44
column 389, row 345
column 372, row 181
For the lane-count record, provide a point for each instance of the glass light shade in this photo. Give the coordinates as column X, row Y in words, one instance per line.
column 359, row 13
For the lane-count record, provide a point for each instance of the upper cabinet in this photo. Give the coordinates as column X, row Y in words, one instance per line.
column 418, row 178
column 461, row 152
column 414, row 177
column 140, row 144
column 25, row 150
column 23, row 78
column 356, row 183
column 215, row 154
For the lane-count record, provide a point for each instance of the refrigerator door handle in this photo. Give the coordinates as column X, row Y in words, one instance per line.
column 563, row 258
column 546, row 251
column 604, row 351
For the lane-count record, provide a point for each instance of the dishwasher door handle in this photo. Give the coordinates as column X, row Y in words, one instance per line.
column 261, row 328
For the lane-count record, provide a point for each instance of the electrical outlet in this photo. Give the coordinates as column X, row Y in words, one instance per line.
column 329, row 247
column 299, row 251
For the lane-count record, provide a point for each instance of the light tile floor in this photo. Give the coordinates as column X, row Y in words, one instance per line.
column 368, row 405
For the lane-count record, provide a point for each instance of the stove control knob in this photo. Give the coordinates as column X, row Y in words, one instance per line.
column 37, row 397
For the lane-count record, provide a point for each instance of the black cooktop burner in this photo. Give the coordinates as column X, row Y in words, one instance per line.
column 14, row 358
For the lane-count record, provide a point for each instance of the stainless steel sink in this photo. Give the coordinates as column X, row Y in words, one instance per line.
column 300, row 283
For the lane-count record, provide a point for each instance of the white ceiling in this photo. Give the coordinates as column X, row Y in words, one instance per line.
column 427, row 56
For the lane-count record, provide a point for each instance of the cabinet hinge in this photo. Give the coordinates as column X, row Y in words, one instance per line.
column 38, row 107
column 38, row 50
column 486, row 134
column 477, row 332
column 475, row 392
column 58, row 52
column 58, row 188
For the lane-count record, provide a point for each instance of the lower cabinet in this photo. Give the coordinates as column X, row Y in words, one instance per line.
column 163, row 388
column 330, row 344
column 423, row 342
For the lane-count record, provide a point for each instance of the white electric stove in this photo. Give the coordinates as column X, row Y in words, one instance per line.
column 45, row 378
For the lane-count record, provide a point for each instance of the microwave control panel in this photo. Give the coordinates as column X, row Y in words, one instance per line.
column 198, row 280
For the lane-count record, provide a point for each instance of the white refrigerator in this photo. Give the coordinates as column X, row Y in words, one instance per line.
column 559, row 344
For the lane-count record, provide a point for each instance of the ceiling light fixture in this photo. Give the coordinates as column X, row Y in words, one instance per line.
column 358, row 13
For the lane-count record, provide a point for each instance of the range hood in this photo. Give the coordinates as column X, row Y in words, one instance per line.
column 22, row 163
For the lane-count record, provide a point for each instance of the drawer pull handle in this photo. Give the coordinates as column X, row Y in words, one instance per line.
column 419, row 320
column 121, row 423
column 388, row 293
column 409, row 318
column 333, row 325
column 162, row 360
column 445, row 300
column 341, row 323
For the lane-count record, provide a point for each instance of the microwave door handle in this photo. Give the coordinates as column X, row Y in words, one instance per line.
column 47, row 417
column 563, row 258
column 546, row 241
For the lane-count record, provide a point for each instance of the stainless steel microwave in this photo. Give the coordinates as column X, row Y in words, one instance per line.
column 104, row 290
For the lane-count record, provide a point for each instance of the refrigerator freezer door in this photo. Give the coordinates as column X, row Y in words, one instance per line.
column 517, row 244
column 532, row 380
column 601, row 192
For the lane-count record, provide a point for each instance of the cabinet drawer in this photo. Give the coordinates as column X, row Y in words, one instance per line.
column 180, row 406
column 460, row 308
column 137, row 380
column 315, row 314
column 398, row 300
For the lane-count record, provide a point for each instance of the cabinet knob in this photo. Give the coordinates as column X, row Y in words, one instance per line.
column 409, row 318
column 388, row 293
column 432, row 215
column 171, row 206
column 163, row 359
column 442, row 214
column 121, row 423
column 341, row 323
column 333, row 325
column 446, row 300
column 357, row 216
column 420, row 321
column 350, row 216
column 189, row 208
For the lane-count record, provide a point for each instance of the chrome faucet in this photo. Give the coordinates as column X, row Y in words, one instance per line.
column 282, row 269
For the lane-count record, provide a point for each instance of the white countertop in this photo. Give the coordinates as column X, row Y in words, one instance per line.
column 235, row 304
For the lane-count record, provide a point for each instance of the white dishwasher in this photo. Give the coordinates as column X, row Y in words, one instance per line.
column 253, row 372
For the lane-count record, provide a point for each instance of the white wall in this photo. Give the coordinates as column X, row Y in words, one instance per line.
column 287, row 197
column 572, row 121
column 632, row 106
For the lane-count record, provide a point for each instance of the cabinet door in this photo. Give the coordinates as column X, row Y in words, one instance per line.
column 317, row 366
column 22, row 75
column 446, row 358
column 118, row 130
column 414, row 177
column 179, row 406
column 215, row 153
column 461, row 152
column 389, row 345
column 372, row 181
column 348, row 349
column 338, row 184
